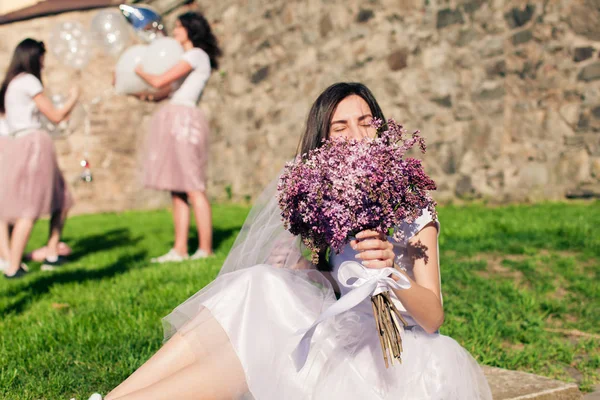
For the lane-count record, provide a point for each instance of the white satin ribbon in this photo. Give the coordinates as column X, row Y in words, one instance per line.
column 364, row 282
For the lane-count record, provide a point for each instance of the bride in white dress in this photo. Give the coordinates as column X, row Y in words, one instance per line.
column 240, row 337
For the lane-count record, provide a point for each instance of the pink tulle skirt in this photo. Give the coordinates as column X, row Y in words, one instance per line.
column 31, row 184
column 177, row 149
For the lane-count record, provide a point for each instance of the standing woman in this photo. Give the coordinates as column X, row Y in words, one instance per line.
column 32, row 184
column 177, row 147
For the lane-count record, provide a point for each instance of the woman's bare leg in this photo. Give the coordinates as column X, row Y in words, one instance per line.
column 203, row 215
column 18, row 241
column 4, row 241
column 203, row 333
column 181, row 220
column 172, row 357
column 57, row 223
column 218, row 377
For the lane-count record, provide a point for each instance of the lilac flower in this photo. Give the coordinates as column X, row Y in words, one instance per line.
column 346, row 186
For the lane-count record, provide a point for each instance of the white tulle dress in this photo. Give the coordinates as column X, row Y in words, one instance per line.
column 262, row 308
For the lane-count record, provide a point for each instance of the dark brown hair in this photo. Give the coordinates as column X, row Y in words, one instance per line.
column 26, row 59
column 201, row 35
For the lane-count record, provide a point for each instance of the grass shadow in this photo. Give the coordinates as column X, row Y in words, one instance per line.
column 220, row 237
column 83, row 246
column 35, row 289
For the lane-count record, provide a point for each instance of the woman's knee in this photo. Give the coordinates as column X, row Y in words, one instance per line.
column 197, row 196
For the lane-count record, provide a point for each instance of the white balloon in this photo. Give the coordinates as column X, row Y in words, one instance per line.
column 126, row 80
column 110, row 31
column 71, row 44
column 162, row 54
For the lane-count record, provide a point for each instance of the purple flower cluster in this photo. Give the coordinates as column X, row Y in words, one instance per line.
column 346, row 186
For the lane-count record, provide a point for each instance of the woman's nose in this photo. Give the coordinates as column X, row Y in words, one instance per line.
column 358, row 132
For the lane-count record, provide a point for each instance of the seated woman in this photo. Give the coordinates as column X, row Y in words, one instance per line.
column 234, row 339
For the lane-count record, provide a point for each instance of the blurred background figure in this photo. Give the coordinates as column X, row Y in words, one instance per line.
column 32, row 184
column 177, row 145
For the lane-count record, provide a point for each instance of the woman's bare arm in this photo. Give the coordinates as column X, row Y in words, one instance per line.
column 179, row 70
column 56, row 115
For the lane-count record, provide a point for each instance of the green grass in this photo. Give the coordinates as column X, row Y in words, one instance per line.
column 520, row 291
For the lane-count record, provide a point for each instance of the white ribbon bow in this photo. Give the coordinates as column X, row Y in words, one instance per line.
column 364, row 282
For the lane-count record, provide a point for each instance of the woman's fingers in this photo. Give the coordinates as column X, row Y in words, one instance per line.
column 368, row 234
column 374, row 249
column 368, row 255
column 377, row 264
column 371, row 244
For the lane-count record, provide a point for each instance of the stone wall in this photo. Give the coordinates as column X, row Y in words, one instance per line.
column 507, row 93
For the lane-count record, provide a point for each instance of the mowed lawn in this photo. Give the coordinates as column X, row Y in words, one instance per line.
column 520, row 290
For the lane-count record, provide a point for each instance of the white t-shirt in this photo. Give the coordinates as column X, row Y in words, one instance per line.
column 21, row 110
column 3, row 127
column 191, row 88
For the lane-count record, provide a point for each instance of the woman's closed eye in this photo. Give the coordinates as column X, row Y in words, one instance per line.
column 339, row 127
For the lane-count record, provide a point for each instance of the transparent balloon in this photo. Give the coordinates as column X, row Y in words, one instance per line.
column 73, row 123
column 71, row 44
column 161, row 55
column 110, row 31
column 126, row 80
column 146, row 21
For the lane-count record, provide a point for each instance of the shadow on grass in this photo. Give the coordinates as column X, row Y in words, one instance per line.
column 104, row 241
column 33, row 290
column 220, row 237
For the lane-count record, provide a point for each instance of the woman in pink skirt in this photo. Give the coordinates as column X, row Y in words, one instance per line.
column 177, row 145
column 32, row 184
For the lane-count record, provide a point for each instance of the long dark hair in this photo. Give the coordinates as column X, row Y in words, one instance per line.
column 25, row 59
column 201, row 35
column 322, row 110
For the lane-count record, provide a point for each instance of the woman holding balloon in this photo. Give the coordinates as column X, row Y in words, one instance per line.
column 31, row 182
column 177, row 144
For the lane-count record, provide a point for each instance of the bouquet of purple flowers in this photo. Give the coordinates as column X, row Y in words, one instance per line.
column 347, row 186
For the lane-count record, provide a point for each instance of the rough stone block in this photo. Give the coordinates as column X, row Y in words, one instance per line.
column 583, row 19
column 590, row 72
column 448, row 16
column 522, row 37
column 516, row 385
column 583, row 53
column 398, row 59
column 364, row 15
column 260, row 75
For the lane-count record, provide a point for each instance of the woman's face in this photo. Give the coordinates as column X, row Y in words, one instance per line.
column 352, row 119
column 179, row 33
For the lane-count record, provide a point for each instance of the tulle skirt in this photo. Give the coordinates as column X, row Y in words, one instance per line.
column 177, row 149
column 257, row 313
column 31, row 182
